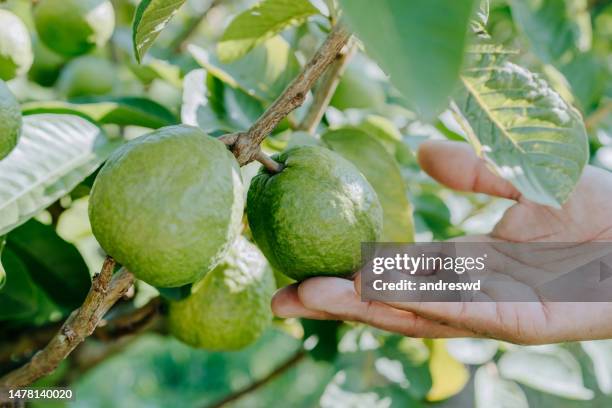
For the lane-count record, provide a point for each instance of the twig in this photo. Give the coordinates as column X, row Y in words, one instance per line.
column 245, row 145
column 271, row 165
column 325, row 91
column 599, row 115
column 289, row 363
column 130, row 323
column 105, row 290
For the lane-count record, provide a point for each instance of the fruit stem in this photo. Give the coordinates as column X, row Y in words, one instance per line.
column 270, row 164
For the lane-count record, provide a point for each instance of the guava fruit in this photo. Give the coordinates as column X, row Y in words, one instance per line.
column 47, row 65
column 311, row 218
column 74, row 27
column 230, row 307
column 357, row 90
column 168, row 205
column 86, row 76
column 10, row 121
column 15, row 46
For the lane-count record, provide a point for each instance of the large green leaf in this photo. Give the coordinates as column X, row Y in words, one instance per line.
column 262, row 21
column 600, row 352
column 553, row 27
column 549, row 369
column 123, row 111
column 419, row 43
column 2, row 271
column 18, row 299
column 54, row 154
column 528, row 133
column 213, row 106
column 54, row 264
column 382, row 171
column 263, row 73
column 150, row 19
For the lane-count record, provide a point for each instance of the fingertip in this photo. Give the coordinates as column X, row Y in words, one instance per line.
column 317, row 293
column 285, row 302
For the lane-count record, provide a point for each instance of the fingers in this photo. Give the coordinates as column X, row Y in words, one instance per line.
column 455, row 165
column 286, row 304
column 336, row 299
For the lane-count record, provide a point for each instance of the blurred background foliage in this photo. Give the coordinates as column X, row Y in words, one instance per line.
column 296, row 363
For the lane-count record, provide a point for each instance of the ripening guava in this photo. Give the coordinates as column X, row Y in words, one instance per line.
column 47, row 64
column 230, row 307
column 15, row 46
column 168, row 205
column 86, row 76
column 311, row 218
column 357, row 90
column 10, row 121
column 74, row 27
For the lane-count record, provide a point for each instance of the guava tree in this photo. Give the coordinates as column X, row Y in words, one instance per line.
column 165, row 165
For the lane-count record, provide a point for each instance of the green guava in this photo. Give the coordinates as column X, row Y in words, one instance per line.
column 87, row 76
column 47, row 65
column 15, row 46
column 168, row 205
column 230, row 308
column 356, row 90
column 74, row 27
column 10, row 121
column 311, row 218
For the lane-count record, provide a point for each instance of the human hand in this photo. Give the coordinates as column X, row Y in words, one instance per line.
column 586, row 217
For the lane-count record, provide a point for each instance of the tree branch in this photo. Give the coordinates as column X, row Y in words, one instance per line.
column 105, row 290
column 289, row 363
column 326, row 89
column 245, row 145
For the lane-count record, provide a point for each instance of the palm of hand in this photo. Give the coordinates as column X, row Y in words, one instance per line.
column 586, row 217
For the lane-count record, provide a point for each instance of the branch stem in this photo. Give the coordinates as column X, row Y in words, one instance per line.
column 286, row 365
column 105, row 290
column 245, row 145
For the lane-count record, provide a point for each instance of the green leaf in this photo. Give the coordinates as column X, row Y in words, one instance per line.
column 326, row 334
column 54, row 264
column 526, row 131
column 383, row 173
column 491, row 391
column 552, row 370
column 553, row 27
column 123, row 111
column 432, row 211
column 2, row 271
column 55, row 153
column 150, row 19
column 18, row 299
column 472, row 351
column 213, row 106
column 263, row 73
column 262, row 21
column 600, row 352
column 419, row 43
